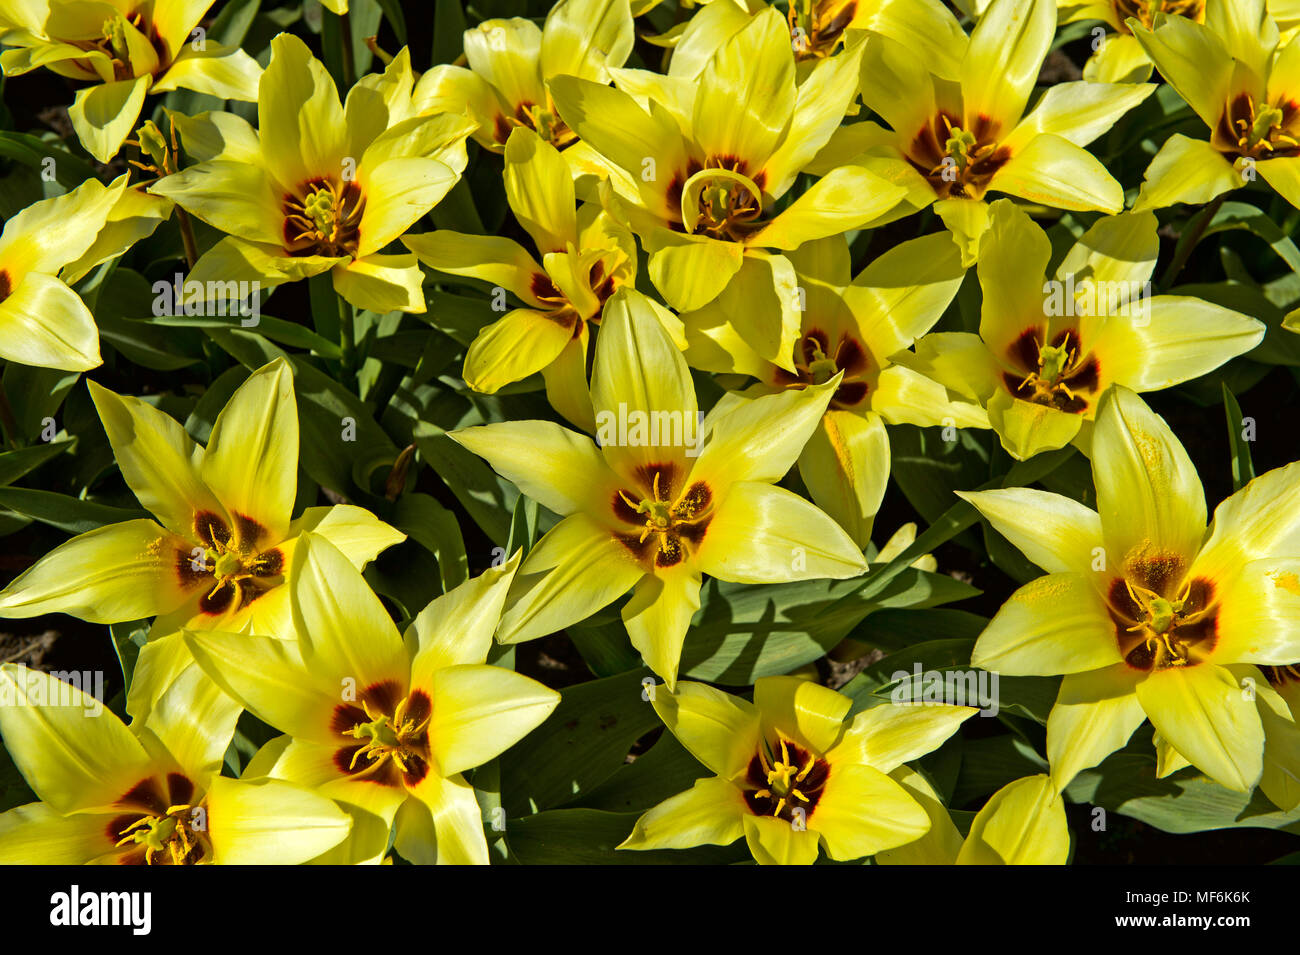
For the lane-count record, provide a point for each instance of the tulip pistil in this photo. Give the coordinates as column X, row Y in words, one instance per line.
column 385, row 740
column 233, row 567
column 1159, row 628
column 785, row 779
column 1144, row 11
column 668, row 524
column 324, row 218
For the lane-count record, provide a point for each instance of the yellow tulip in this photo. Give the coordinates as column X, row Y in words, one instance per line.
column 852, row 326
column 1146, row 613
column 224, row 536
column 512, row 63
column 55, row 242
column 664, row 499
column 320, row 187
column 1240, row 78
column 792, row 773
column 585, row 257
column 383, row 723
column 697, row 165
column 953, row 139
column 151, row 793
column 1048, row 349
column 128, row 49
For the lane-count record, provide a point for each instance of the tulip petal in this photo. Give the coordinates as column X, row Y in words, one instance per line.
column 1203, row 712
column 1055, row 624
column 709, row 813
column 1095, row 714
column 765, row 534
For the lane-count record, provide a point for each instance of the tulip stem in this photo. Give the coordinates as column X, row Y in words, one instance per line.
column 7, row 419
column 1188, row 241
column 348, row 342
column 349, row 66
column 187, row 237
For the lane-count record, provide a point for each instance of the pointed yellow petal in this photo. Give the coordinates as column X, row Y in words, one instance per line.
column 1095, row 714
column 709, row 813
column 104, row 115
column 1058, row 534
column 1006, row 52
column 480, row 711
column 299, row 116
column 1186, row 170
column 763, row 534
column 540, row 189
column 1023, row 823
column 774, row 841
column 521, row 343
column 638, row 369
column 805, row 712
column 658, row 615
column 848, row 833
column 381, row 283
column 1054, row 172
column 453, row 814
column 343, row 628
column 73, row 754
column 35, row 834
column 560, row 469
column 1203, row 712
column 44, row 323
column 886, row 736
column 720, row 730
column 576, row 569
column 251, row 462
column 845, row 466
column 271, row 822
column 1149, row 495
column 759, row 439
column 457, row 627
column 1055, row 624
column 159, row 461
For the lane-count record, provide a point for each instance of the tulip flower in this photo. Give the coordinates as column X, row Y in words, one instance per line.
column 50, row 244
column 1023, row 823
column 223, row 540
column 853, row 326
column 1118, row 57
column 1146, row 613
column 664, row 499
column 384, row 723
column 698, row 174
column 1279, row 712
column 1234, row 72
column 792, row 774
column 586, row 255
column 953, row 139
column 151, row 793
column 1048, row 349
column 128, row 50
column 512, row 63
column 321, row 187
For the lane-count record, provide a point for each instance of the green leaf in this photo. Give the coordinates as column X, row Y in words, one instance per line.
column 589, row 837
column 434, row 527
column 579, row 746
column 66, row 513
column 1243, row 469
column 14, row 464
